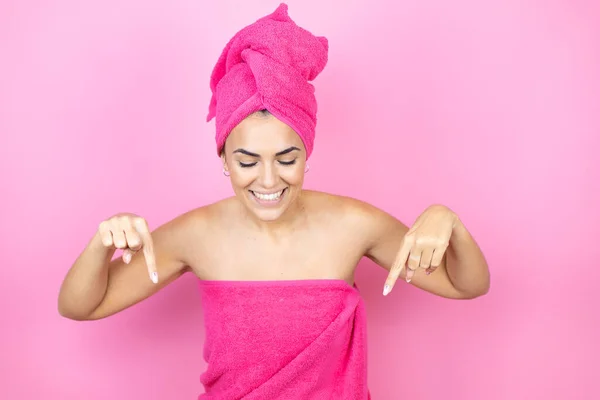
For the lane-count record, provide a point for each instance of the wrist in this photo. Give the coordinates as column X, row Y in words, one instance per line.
column 459, row 231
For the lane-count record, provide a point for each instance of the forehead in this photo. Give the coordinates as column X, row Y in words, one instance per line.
column 263, row 134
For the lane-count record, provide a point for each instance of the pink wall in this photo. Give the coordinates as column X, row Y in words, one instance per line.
column 492, row 108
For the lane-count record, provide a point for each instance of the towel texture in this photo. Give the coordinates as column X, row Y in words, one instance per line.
column 268, row 65
column 284, row 340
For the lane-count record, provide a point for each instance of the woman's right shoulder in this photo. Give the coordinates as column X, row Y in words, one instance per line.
column 206, row 216
column 183, row 233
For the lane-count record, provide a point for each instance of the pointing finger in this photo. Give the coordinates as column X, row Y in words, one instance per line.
column 147, row 248
column 398, row 266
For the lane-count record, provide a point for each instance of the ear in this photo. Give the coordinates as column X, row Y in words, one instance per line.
column 224, row 161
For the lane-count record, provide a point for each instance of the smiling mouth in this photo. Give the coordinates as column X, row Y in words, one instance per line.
column 268, row 197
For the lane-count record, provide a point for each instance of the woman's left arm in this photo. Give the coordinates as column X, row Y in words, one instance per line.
column 465, row 263
column 437, row 253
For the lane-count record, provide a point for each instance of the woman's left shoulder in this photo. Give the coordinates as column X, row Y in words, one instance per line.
column 341, row 206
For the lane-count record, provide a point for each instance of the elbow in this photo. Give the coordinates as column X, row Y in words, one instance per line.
column 476, row 291
column 69, row 313
column 475, row 284
column 485, row 285
column 473, row 294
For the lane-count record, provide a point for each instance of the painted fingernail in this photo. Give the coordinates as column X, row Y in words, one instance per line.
column 127, row 258
column 408, row 279
column 154, row 277
column 386, row 290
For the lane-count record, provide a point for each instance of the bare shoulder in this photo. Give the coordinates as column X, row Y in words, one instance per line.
column 209, row 212
column 187, row 223
column 198, row 221
column 183, row 233
column 357, row 215
column 325, row 203
column 346, row 206
column 215, row 215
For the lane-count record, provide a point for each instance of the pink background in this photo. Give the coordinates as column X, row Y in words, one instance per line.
column 492, row 108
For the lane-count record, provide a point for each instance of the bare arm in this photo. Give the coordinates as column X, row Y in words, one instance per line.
column 465, row 263
column 462, row 273
column 96, row 287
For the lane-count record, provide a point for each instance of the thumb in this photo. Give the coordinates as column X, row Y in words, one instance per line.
column 128, row 255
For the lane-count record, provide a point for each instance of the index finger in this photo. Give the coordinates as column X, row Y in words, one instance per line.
column 397, row 266
column 147, row 248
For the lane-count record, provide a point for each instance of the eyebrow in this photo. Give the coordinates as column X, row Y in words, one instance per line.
column 281, row 153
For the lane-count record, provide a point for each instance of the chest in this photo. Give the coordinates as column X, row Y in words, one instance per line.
column 307, row 254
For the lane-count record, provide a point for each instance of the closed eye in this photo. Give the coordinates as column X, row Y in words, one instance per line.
column 248, row 165
column 287, row 162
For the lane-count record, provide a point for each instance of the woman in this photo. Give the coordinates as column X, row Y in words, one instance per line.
column 275, row 262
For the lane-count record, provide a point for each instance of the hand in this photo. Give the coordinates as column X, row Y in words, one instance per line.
column 424, row 244
column 130, row 233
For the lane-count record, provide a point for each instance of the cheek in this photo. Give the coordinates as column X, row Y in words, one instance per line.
column 242, row 179
column 293, row 176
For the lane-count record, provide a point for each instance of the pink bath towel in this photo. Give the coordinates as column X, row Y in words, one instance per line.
column 266, row 340
column 268, row 65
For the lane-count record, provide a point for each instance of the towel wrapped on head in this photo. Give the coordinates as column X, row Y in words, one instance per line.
column 268, row 65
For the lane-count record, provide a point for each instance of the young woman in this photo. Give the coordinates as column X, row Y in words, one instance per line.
column 275, row 262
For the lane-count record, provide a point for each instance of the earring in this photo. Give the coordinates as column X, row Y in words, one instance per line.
column 307, row 168
column 225, row 172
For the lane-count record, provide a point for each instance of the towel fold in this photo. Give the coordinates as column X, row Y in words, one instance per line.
column 284, row 340
column 268, row 65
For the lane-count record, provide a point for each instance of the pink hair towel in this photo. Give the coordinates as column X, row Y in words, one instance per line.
column 289, row 340
column 268, row 65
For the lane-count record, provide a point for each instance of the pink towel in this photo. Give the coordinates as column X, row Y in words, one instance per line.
column 284, row 340
column 268, row 65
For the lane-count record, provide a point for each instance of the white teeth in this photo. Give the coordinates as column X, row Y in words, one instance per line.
column 268, row 197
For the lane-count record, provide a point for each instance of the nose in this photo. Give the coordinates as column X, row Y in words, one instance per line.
column 268, row 176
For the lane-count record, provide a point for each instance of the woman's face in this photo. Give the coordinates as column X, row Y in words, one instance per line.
column 265, row 159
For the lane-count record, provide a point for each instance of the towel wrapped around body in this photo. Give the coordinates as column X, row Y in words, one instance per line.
column 302, row 339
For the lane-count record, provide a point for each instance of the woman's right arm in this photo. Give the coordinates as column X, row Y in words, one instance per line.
column 96, row 287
